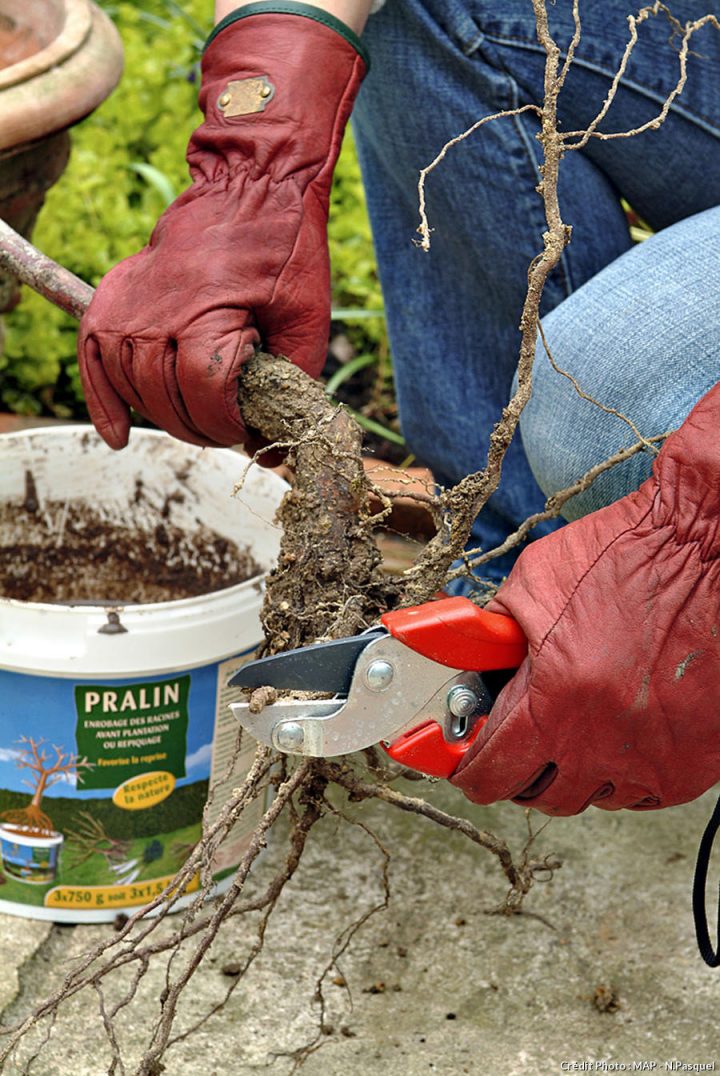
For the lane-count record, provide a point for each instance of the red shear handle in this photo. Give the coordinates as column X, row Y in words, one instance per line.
column 425, row 749
column 456, row 633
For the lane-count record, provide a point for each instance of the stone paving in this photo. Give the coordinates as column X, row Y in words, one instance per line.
column 602, row 974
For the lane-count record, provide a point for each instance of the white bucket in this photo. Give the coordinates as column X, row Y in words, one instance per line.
column 139, row 691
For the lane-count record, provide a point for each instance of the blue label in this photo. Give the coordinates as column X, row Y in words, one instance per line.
column 80, row 824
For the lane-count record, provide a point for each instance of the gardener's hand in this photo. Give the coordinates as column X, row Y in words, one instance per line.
column 617, row 703
column 241, row 257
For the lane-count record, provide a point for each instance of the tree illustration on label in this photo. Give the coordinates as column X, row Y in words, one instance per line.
column 47, row 765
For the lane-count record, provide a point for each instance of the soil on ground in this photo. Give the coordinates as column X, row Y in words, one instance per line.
column 70, row 552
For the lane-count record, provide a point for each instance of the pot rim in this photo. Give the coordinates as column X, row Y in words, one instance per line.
column 77, row 26
column 62, row 82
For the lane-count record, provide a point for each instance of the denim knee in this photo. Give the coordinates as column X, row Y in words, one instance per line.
column 643, row 339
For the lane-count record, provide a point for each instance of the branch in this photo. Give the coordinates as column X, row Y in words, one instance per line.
column 573, row 44
column 586, row 395
column 42, row 274
column 462, row 504
column 521, row 876
column 151, row 1058
column 687, row 31
column 555, row 503
column 424, row 228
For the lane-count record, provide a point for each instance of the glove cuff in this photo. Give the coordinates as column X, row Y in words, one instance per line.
column 293, row 7
column 277, row 93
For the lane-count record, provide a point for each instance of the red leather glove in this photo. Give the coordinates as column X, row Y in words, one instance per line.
column 618, row 701
column 242, row 255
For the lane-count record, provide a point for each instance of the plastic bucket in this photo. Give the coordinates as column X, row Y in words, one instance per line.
column 115, row 720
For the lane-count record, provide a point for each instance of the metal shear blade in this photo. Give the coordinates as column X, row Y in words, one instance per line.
column 320, row 667
column 390, row 691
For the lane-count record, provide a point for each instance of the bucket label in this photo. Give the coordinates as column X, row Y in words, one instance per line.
column 124, row 730
column 106, row 897
column 103, row 784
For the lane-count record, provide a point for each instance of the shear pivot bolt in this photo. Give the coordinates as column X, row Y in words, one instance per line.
column 379, row 675
column 289, row 736
column 462, row 702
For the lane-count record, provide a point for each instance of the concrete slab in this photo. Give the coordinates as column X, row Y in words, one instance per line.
column 20, row 939
column 435, row 984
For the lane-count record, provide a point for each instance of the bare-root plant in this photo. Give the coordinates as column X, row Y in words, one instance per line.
column 328, row 583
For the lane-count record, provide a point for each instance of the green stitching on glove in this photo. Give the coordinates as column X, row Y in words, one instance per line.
column 291, row 7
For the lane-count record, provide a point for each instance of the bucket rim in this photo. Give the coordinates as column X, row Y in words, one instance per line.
column 83, row 608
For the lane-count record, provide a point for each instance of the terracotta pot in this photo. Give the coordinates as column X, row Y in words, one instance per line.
column 408, row 517
column 58, row 60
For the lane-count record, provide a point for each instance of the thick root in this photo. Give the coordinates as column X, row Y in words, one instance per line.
column 328, row 582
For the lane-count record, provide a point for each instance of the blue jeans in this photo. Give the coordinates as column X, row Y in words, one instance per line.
column 639, row 327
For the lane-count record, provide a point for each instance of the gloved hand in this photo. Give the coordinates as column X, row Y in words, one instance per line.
column 241, row 256
column 617, row 703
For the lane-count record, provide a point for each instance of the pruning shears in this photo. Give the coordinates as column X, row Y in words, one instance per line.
column 421, row 684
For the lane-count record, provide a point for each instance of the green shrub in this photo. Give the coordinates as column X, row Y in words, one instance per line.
column 128, row 162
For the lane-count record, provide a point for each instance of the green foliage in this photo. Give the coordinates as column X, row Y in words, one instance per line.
column 128, row 162
column 356, row 289
column 358, row 301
